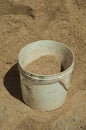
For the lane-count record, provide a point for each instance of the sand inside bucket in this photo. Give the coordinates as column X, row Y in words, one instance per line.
column 45, row 65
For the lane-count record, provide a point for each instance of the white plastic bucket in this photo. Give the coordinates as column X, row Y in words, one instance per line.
column 45, row 92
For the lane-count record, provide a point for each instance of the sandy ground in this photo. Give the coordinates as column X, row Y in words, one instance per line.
column 24, row 21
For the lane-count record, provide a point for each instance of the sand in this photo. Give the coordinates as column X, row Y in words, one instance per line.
column 26, row 21
column 45, row 65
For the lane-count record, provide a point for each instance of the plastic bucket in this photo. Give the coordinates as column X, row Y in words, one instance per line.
column 45, row 92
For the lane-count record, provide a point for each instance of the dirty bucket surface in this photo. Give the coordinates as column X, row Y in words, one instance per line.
column 45, row 89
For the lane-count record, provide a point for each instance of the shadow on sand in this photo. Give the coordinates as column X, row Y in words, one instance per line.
column 8, row 7
column 12, row 82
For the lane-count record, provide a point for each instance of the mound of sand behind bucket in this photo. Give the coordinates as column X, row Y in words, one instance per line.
column 45, row 92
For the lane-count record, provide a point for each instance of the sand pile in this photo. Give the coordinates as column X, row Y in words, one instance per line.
column 45, row 65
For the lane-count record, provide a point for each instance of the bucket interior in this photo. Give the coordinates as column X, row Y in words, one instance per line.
column 37, row 49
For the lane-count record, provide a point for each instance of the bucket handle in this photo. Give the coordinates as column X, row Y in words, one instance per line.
column 60, row 81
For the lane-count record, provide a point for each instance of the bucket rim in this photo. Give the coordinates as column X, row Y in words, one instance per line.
column 45, row 77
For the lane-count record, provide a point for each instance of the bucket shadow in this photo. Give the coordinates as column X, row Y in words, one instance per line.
column 8, row 7
column 12, row 82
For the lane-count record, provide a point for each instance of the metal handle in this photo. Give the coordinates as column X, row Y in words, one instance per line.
column 62, row 84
